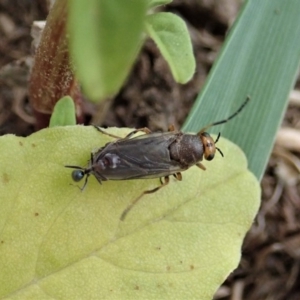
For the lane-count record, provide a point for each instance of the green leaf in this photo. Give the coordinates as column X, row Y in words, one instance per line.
column 105, row 37
column 155, row 3
column 260, row 58
column 172, row 38
column 63, row 113
column 58, row 242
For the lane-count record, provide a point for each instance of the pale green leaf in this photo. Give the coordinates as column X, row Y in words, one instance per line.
column 60, row 243
column 172, row 38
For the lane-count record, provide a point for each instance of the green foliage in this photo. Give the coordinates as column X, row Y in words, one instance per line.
column 155, row 3
column 172, row 38
column 182, row 241
column 63, row 113
column 59, row 242
column 105, row 38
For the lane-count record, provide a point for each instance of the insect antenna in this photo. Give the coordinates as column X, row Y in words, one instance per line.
column 217, row 139
column 75, row 167
column 226, row 120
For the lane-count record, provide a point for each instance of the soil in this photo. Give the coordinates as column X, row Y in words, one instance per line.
column 270, row 265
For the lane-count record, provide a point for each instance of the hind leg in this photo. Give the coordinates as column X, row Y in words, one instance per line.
column 129, row 207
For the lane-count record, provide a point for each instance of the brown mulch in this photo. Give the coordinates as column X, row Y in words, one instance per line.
column 270, row 265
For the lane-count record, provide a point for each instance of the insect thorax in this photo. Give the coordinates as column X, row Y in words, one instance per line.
column 187, row 150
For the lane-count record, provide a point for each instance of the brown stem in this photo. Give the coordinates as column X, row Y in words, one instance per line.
column 52, row 76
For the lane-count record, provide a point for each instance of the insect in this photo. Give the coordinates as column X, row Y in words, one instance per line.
column 151, row 155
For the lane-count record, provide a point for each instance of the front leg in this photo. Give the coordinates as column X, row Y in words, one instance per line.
column 199, row 165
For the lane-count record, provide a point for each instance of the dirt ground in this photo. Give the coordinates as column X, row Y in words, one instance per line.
column 270, row 265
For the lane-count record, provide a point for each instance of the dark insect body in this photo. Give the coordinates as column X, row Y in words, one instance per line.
column 152, row 155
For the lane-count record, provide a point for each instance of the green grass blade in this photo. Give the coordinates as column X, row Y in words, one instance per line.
column 260, row 58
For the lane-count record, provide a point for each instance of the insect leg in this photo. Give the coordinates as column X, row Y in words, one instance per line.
column 171, row 127
column 129, row 207
column 144, row 129
column 178, row 176
column 201, row 166
column 109, row 134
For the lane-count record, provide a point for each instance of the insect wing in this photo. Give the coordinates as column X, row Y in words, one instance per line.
column 145, row 156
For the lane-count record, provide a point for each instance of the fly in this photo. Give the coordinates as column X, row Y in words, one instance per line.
column 151, row 155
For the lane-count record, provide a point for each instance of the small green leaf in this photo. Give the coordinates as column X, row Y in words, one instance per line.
column 155, row 3
column 105, row 37
column 172, row 38
column 59, row 242
column 63, row 113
